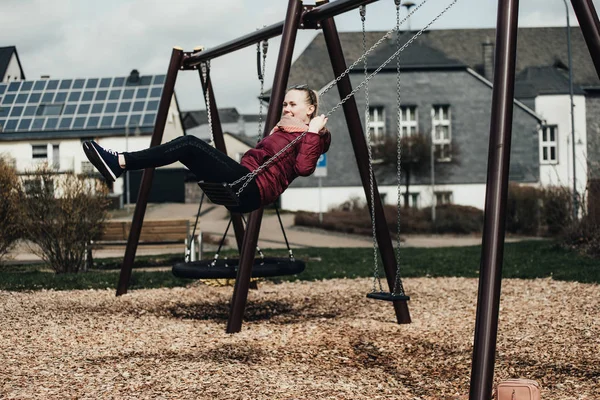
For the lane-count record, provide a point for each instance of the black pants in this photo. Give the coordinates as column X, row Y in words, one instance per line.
column 206, row 162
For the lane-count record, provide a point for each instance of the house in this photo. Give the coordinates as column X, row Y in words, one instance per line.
column 46, row 120
column 196, row 123
column 445, row 94
column 10, row 65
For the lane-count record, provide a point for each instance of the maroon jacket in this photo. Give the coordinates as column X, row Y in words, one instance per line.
column 299, row 160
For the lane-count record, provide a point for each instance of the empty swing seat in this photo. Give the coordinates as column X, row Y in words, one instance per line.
column 220, row 193
column 387, row 296
column 227, row 269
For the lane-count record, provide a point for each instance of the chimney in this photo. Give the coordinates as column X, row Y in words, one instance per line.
column 134, row 77
column 488, row 59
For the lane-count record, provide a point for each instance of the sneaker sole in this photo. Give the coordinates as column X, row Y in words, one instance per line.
column 97, row 161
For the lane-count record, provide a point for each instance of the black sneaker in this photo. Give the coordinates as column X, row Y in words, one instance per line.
column 106, row 161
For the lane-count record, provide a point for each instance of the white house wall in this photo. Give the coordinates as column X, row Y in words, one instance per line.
column 13, row 72
column 315, row 199
column 555, row 110
column 71, row 156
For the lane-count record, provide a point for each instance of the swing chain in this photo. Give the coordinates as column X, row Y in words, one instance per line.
column 261, row 77
column 205, row 68
column 376, row 280
column 398, row 287
column 251, row 175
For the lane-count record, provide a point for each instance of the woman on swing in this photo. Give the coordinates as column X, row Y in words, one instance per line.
column 210, row 165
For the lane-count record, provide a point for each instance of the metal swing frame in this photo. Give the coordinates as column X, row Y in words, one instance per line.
column 321, row 16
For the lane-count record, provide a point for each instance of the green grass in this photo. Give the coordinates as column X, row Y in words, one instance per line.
column 526, row 260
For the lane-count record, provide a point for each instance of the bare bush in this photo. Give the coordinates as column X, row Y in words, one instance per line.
column 357, row 220
column 10, row 210
column 557, row 209
column 63, row 212
column 584, row 237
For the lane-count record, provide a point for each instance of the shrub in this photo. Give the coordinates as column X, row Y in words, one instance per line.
column 523, row 209
column 450, row 219
column 63, row 212
column 453, row 218
column 557, row 209
column 10, row 210
column 583, row 236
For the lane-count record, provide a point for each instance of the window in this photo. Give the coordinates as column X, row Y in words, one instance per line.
column 442, row 132
column 549, row 144
column 33, row 186
column 408, row 120
column 39, row 151
column 55, row 156
column 443, row 198
column 413, row 199
column 377, row 131
column 87, row 167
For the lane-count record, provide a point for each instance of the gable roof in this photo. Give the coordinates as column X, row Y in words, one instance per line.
column 535, row 47
column 247, row 140
column 5, row 57
column 70, row 108
column 543, row 80
column 191, row 119
column 419, row 55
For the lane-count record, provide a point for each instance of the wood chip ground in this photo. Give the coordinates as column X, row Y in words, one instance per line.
column 303, row 340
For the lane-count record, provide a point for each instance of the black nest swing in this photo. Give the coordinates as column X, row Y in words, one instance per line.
column 263, row 267
column 227, row 268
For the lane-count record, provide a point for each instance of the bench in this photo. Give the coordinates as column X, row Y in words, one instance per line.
column 158, row 232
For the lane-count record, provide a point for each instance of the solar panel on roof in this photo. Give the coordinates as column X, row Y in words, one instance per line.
column 65, row 104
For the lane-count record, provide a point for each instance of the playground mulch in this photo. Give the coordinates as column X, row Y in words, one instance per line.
column 302, row 340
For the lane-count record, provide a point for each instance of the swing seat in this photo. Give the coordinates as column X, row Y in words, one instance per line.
column 227, row 268
column 220, row 193
column 387, row 296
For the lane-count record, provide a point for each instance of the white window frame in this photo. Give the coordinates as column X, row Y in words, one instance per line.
column 441, row 117
column 41, row 153
column 409, row 120
column 377, row 128
column 414, row 199
column 87, row 167
column 444, row 197
column 547, row 144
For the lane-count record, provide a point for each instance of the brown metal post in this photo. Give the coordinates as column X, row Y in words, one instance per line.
column 284, row 62
column 590, row 27
column 148, row 175
column 359, row 144
column 490, row 275
column 217, row 130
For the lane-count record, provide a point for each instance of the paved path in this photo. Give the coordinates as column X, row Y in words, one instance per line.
column 215, row 220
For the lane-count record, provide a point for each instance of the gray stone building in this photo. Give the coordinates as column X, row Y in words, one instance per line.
column 445, row 94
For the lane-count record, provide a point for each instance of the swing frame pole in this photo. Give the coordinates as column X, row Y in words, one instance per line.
column 488, row 299
column 284, row 63
column 492, row 250
column 359, row 144
column 148, row 174
column 217, row 130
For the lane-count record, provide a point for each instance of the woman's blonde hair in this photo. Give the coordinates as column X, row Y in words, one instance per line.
column 312, row 97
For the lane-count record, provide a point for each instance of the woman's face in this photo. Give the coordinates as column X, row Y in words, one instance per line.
column 295, row 105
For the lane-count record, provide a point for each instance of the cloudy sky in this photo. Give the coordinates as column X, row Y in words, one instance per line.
column 84, row 38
